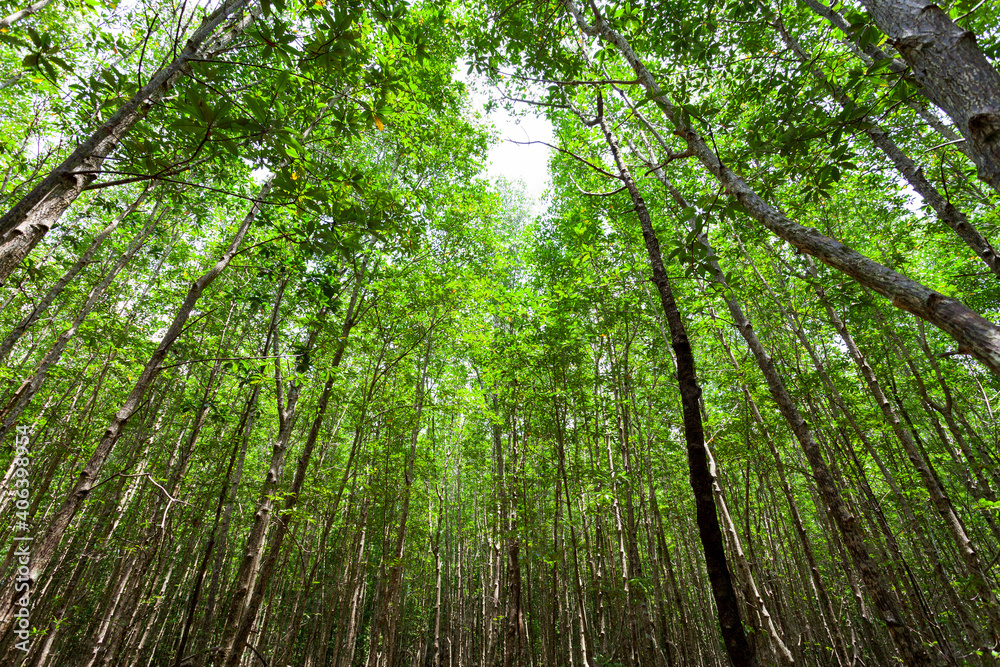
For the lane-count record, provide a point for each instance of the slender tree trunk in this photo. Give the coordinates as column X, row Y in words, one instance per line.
column 938, row 496
column 903, row 635
column 282, row 528
column 357, row 600
column 231, row 647
column 709, row 528
column 586, row 648
column 840, row 408
column 436, row 553
column 383, row 638
column 784, row 656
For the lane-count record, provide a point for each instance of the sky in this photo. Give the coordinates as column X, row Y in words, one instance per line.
column 516, row 162
column 528, row 163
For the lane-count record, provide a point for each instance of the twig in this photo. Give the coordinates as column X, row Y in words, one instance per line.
column 257, row 653
column 198, row 361
column 596, row 194
column 171, row 500
column 981, row 3
column 947, row 143
column 570, row 153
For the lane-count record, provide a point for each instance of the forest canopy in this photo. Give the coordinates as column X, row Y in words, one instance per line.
column 286, row 379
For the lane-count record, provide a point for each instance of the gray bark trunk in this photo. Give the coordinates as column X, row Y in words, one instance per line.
column 953, row 71
column 14, row 17
column 871, row 54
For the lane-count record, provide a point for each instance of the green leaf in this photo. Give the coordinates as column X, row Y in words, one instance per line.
column 281, row 82
column 10, row 39
column 879, row 65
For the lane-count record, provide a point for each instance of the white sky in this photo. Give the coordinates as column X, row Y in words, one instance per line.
column 528, row 164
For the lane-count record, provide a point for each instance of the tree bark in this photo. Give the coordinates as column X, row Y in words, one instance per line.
column 871, row 54
column 784, row 656
column 953, row 72
column 291, row 500
column 709, row 529
column 31, row 9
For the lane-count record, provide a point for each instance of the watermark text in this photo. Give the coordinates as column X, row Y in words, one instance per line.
column 22, row 540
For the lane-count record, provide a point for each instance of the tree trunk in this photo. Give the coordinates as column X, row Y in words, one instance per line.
column 784, row 656
column 709, row 529
column 952, row 71
column 383, row 638
column 282, row 528
column 938, row 496
column 31, row 9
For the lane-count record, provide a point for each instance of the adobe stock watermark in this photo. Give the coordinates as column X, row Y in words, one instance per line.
column 22, row 539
